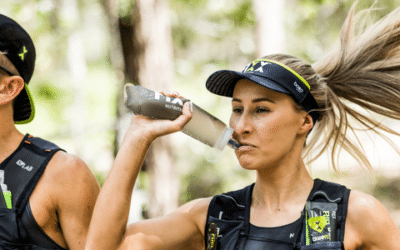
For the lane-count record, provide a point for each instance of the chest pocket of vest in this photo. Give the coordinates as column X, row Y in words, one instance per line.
column 335, row 245
column 7, row 223
column 228, row 231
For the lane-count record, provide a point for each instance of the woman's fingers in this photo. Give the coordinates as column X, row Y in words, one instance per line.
column 163, row 127
column 170, row 93
column 154, row 128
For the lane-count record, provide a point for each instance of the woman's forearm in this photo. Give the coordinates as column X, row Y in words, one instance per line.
column 111, row 212
column 110, row 216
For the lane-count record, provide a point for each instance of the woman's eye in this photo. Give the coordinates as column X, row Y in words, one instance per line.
column 237, row 110
column 262, row 110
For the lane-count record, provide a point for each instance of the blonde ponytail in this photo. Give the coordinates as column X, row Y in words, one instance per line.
column 363, row 70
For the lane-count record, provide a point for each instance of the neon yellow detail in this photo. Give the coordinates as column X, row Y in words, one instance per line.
column 308, row 241
column 317, row 223
column 212, row 245
column 22, row 55
column 7, row 197
column 28, row 92
column 286, row 67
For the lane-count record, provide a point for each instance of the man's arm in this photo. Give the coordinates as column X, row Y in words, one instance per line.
column 76, row 191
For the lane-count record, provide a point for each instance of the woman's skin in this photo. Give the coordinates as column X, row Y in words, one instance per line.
column 273, row 129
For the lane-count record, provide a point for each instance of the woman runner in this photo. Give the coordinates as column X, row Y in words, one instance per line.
column 276, row 102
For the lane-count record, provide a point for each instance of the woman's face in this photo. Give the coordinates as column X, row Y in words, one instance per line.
column 268, row 125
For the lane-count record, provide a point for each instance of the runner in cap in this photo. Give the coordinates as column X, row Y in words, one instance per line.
column 48, row 194
column 276, row 101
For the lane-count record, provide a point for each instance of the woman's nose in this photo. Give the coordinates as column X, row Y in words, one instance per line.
column 242, row 125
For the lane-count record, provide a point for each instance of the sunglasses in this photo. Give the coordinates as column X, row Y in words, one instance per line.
column 8, row 72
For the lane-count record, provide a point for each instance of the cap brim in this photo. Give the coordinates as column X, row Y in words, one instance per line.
column 223, row 82
column 24, row 108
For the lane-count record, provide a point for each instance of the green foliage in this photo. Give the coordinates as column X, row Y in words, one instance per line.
column 203, row 180
column 311, row 2
column 47, row 92
column 100, row 177
column 191, row 4
column 243, row 15
column 388, row 189
column 184, row 36
column 125, row 8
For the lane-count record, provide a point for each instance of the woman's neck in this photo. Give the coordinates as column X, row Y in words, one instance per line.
column 283, row 187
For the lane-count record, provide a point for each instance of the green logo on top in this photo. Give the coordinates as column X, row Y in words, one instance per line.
column 317, row 223
column 251, row 66
column 22, row 55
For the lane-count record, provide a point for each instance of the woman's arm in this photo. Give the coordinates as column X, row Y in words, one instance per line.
column 108, row 225
column 369, row 225
column 182, row 229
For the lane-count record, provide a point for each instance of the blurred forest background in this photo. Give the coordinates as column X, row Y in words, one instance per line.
column 88, row 49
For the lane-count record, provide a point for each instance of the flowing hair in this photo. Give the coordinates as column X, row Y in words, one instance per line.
column 364, row 69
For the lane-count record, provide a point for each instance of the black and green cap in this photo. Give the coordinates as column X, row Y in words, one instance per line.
column 18, row 47
column 270, row 74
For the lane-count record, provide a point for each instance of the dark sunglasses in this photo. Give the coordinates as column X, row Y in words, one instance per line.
column 8, row 72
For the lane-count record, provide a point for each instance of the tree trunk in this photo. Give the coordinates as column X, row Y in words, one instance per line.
column 270, row 26
column 146, row 49
column 78, row 69
column 153, row 43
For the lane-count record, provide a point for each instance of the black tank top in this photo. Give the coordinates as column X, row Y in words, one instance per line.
column 25, row 233
column 35, row 233
column 276, row 238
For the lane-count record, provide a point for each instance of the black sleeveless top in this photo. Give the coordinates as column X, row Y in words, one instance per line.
column 277, row 238
column 22, row 170
column 35, row 233
column 321, row 224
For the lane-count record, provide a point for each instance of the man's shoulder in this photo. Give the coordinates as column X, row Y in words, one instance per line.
column 65, row 167
column 40, row 143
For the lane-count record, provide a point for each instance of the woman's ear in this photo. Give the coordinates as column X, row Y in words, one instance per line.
column 307, row 124
column 10, row 87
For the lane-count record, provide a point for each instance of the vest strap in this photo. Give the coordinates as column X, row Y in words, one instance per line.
column 19, row 172
column 233, row 209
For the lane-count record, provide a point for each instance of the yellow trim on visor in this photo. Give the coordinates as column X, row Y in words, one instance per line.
column 286, row 67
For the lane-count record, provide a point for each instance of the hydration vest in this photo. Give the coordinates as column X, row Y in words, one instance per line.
column 21, row 170
column 323, row 217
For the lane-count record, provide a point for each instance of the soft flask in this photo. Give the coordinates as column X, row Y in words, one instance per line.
column 203, row 126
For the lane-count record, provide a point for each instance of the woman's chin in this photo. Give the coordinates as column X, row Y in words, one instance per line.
column 247, row 163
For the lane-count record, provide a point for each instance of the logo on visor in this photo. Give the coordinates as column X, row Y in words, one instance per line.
column 24, row 51
column 298, row 88
column 256, row 65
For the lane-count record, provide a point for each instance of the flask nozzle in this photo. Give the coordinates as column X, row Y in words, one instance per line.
column 234, row 144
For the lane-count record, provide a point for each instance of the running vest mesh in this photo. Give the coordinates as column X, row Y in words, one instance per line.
column 22, row 171
column 322, row 222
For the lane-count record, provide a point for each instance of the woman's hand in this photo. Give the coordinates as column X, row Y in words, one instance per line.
column 150, row 129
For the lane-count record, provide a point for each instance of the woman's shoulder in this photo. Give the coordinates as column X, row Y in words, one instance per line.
column 369, row 224
column 196, row 206
column 362, row 206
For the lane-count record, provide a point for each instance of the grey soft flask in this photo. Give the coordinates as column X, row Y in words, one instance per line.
column 203, row 126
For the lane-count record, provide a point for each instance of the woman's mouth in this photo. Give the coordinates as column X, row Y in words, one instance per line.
column 245, row 147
